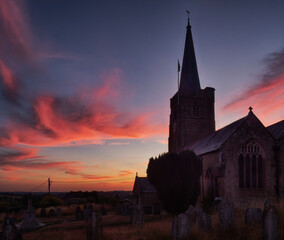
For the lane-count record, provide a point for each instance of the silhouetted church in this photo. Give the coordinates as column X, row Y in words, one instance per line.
column 244, row 161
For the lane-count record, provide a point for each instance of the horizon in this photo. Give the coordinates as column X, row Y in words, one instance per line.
column 86, row 87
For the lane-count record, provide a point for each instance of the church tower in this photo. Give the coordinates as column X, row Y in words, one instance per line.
column 192, row 108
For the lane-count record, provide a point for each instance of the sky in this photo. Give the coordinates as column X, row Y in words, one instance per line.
column 85, row 85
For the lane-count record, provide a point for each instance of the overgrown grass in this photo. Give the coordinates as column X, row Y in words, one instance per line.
column 118, row 228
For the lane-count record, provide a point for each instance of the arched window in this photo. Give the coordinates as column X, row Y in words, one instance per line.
column 251, row 166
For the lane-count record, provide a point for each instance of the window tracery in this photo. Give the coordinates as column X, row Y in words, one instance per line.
column 251, row 165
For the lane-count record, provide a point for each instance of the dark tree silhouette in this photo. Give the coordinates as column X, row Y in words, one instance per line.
column 176, row 179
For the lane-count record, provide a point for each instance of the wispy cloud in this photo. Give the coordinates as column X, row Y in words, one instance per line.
column 125, row 173
column 266, row 95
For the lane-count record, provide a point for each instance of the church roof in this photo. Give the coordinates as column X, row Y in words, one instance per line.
column 277, row 129
column 189, row 81
column 214, row 141
column 144, row 185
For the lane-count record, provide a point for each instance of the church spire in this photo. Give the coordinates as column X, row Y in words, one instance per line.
column 189, row 82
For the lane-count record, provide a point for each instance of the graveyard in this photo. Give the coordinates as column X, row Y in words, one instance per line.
column 106, row 221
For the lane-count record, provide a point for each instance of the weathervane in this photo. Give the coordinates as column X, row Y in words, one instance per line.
column 187, row 17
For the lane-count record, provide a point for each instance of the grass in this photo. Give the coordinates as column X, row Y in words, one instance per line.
column 156, row 227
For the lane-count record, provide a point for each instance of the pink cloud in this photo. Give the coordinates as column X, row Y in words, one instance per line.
column 14, row 30
column 125, row 173
column 266, row 96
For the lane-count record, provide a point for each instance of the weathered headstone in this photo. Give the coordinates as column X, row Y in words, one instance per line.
column 226, row 214
column 253, row 215
column 191, row 213
column 9, row 230
column 184, row 227
column 270, row 223
column 58, row 212
column 204, row 221
column 79, row 213
column 137, row 217
column 43, row 212
column 87, row 213
column 94, row 227
column 51, row 213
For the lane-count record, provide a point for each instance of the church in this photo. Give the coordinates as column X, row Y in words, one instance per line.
column 243, row 161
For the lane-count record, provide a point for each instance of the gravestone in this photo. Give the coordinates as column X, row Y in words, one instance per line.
column 191, row 213
column 87, row 213
column 226, row 214
column 270, row 228
column 204, row 221
column 58, row 212
column 183, row 226
column 30, row 221
column 51, row 213
column 94, row 227
column 253, row 215
column 137, row 217
column 9, row 230
column 79, row 213
column 43, row 212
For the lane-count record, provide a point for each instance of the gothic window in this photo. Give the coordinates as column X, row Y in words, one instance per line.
column 251, row 166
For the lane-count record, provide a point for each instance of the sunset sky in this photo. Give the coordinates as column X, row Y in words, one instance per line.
column 85, row 85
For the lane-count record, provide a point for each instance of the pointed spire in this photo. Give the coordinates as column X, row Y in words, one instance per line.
column 189, row 82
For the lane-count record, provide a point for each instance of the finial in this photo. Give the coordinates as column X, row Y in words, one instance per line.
column 187, row 17
column 250, row 109
column 136, row 174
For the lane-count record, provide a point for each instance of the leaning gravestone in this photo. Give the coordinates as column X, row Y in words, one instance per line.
column 226, row 214
column 137, row 217
column 253, row 215
column 270, row 223
column 204, row 221
column 43, row 212
column 191, row 213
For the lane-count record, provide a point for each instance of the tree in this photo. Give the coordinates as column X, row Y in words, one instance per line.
column 48, row 201
column 176, row 179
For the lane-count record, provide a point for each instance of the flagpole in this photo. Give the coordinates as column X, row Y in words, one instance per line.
column 178, row 79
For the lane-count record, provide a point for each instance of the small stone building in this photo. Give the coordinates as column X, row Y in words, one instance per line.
column 145, row 196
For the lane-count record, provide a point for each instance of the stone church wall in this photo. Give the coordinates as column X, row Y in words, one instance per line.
column 251, row 130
